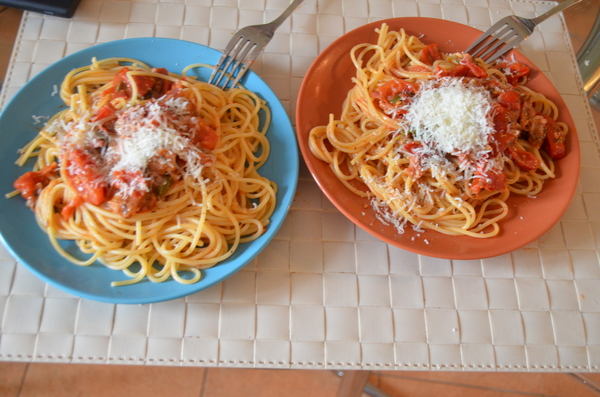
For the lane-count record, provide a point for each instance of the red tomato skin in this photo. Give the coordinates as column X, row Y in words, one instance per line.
column 555, row 140
column 105, row 111
column 69, row 209
column 84, row 177
column 411, row 146
column 393, row 94
column 491, row 181
column 121, row 86
column 430, row 54
column 27, row 183
column 204, row 135
column 513, row 71
column 523, row 159
column 466, row 68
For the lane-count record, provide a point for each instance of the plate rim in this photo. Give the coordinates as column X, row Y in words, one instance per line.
column 369, row 28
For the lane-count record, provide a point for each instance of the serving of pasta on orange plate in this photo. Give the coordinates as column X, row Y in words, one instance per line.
column 437, row 141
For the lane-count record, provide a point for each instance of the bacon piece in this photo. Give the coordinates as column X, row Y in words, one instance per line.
column 537, row 131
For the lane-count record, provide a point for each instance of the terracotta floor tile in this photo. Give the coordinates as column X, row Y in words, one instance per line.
column 566, row 385
column 518, row 382
column 406, row 387
column 592, row 379
column 5, row 54
column 223, row 382
column 10, row 19
column 11, row 378
column 50, row 380
column 580, row 19
column 592, row 376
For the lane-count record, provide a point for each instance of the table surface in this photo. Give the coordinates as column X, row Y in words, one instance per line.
column 306, row 301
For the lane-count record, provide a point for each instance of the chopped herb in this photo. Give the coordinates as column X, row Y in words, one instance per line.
column 397, row 99
column 164, row 188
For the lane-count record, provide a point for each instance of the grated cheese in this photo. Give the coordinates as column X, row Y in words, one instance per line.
column 142, row 138
column 451, row 116
column 39, row 119
column 141, row 132
column 452, row 119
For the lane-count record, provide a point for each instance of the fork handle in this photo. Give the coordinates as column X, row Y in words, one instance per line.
column 279, row 20
column 562, row 6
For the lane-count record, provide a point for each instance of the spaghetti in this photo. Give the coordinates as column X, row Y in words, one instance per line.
column 149, row 172
column 439, row 141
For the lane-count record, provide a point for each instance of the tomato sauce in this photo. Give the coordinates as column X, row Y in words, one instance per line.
column 128, row 158
column 30, row 183
column 512, row 114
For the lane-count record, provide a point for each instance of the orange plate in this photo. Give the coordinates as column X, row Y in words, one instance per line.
column 323, row 91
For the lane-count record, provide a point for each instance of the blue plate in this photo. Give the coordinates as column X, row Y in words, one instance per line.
column 30, row 244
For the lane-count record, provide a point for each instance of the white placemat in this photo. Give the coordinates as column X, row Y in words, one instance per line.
column 325, row 294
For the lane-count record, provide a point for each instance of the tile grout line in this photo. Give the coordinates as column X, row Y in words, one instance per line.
column 22, row 385
column 204, row 380
column 587, row 382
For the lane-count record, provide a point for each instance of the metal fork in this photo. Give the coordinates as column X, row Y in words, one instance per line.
column 243, row 49
column 508, row 32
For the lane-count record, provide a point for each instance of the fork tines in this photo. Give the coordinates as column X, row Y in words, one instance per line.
column 234, row 62
column 495, row 42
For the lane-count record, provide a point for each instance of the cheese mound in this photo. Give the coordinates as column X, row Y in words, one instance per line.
column 451, row 116
column 139, row 135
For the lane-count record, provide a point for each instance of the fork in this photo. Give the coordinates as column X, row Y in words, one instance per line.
column 243, row 49
column 508, row 32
